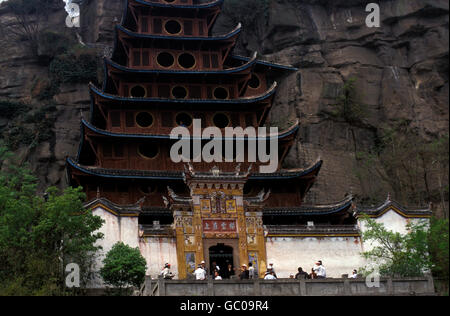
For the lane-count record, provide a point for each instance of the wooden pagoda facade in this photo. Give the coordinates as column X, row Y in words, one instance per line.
column 168, row 69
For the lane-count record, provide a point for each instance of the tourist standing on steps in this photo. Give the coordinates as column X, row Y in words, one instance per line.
column 200, row 273
column 354, row 275
column 301, row 275
column 166, row 273
column 244, row 273
column 215, row 268
column 320, row 271
column 203, row 264
column 271, row 268
column 228, row 272
column 252, row 271
column 217, row 276
column 269, row 275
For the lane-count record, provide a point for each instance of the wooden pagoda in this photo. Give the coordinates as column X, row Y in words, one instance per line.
column 168, row 69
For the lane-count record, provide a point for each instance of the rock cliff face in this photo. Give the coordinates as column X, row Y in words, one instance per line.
column 400, row 72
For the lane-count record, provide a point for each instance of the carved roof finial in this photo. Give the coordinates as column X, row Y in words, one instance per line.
column 98, row 192
column 389, row 197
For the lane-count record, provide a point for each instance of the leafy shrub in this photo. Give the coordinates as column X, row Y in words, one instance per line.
column 11, row 109
column 75, row 67
column 123, row 266
column 19, row 135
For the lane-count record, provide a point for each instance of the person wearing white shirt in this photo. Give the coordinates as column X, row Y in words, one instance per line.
column 217, row 275
column 354, row 275
column 319, row 269
column 269, row 276
column 200, row 273
column 166, row 273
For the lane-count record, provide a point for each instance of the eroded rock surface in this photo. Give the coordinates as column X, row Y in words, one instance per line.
column 401, row 72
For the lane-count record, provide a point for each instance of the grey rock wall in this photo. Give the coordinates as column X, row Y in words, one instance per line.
column 401, row 71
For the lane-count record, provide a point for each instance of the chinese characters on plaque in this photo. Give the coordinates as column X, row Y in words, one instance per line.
column 219, row 226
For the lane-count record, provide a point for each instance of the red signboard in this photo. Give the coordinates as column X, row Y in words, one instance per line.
column 219, row 226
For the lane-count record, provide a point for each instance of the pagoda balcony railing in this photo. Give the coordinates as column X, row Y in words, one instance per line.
column 305, row 229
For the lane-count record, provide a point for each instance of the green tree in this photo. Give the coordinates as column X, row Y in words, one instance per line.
column 396, row 254
column 123, row 267
column 438, row 239
column 39, row 236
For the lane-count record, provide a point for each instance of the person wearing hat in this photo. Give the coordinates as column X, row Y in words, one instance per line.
column 319, row 270
column 200, row 273
column 245, row 275
column 271, row 269
column 203, row 264
column 166, row 273
column 269, row 275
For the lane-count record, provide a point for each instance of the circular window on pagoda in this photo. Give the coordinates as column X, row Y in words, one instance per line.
column 173, row 27
column 254, row 82
column 221, row 120
column 183, row 119
column 138, row 92
column 144, row 119
column 186, row 61
column 221, row 93
column 179, row 92
column 165, row 59
column 148, row 150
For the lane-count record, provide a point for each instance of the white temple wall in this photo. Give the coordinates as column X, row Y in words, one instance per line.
column 114, row 229
column 340, row 255
column 392, row 221
column 158, row 251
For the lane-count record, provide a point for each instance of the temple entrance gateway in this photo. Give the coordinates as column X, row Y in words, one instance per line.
column 222, row 255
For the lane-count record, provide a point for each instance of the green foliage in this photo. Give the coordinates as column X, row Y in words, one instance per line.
column 438, row 239
column 415, row 169
column 405, row 255
column 11, row 109
column 52, row 44
column 38, row 236
column 348, row 107
column 75, row 67
column 19, row 135
column 123, row 266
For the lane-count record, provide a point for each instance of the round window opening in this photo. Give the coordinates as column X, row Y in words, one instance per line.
column 148, row 150
column 144, row 119
column 165, row 60
column 184, row 120
column 221, row 93
column 138, row 92
column 179, row 92
column 221, row 120
column 173, row 27
column 186, row 60
column 254, row 82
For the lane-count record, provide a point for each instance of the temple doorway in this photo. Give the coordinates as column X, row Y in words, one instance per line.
column 222, row 255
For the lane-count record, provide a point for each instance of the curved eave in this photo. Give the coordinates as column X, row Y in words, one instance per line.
column 395, row 207
column 247, row 100
column 340, row 207
column 209, row 5
column 241, row 70
column 267, row 64
column 130, row 174
column 309, row 172
column 230, row 37
column 94, row 131
column 105, row 173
